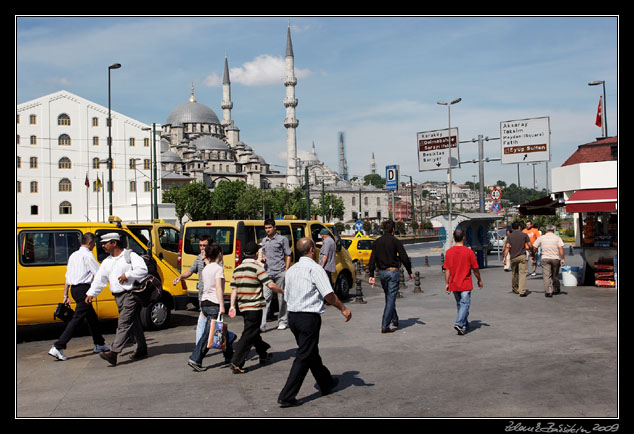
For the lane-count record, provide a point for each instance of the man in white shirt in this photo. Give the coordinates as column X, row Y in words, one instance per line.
column 121, row 275
column 80, row 270
column 307, row 286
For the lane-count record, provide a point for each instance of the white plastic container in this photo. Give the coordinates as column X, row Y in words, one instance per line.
column 569, row 276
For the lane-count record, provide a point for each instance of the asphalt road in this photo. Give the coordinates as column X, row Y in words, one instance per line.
column 531, row 357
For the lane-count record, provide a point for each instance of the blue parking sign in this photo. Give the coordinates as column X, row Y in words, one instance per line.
column 391, row 177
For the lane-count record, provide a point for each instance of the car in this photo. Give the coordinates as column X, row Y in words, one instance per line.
column 359, row 248
column 496, row 241
column 42, row 254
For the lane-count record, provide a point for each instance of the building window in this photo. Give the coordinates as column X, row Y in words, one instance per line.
column 65, row 185
column 132, row 163
column 64, row 163
column 63, row 119
column 132, row 186
column 33, row 162
column 34, row 187
column 95, row 122
column 147, row 164
column 33, row 140
column 34, row 210
column 354, row 202
column 95, row 141
column 17, row 139
column 65, row 208
column 131, row 141
column 147, row 186
column 33, row 119
column 64, row 140
column 17, row 119
column 18, row 162
column 146, row 142
column 378, row 201
column 365, row 201
column 95, row 163
column 18, row 187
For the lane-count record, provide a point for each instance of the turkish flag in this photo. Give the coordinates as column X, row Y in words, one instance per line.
column 599, row 122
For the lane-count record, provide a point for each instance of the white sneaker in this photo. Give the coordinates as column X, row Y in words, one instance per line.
column 58, row 354
column 282, row 327
column 101, row 348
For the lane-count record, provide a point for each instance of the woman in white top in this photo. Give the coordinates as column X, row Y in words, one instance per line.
column 212, row 303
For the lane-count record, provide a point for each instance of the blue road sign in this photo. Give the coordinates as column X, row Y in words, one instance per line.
column 391, row 177
column 358, row 225
column 496, row 207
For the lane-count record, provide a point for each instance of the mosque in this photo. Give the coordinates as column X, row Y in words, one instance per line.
column 197, row 146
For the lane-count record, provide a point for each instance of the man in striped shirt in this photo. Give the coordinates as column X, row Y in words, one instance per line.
column 307, row 286
column 80, row 270
column 247, row 285
column 552, row 259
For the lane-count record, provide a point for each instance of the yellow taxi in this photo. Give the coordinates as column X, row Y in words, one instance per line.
column 359, row 248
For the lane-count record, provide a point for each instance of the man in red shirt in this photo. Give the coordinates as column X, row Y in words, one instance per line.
column 459, row 261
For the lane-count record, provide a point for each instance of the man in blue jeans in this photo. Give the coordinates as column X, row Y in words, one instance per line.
column 387, row 256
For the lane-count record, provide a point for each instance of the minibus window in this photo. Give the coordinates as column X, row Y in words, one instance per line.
column 219, row 235
column 48, row 247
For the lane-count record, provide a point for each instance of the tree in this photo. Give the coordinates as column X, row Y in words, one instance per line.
column 331, row 200
column 249, row 204
column 192, row 200
column 225, row 197
column 374, row 179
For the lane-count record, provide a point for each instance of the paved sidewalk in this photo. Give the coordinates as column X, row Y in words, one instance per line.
column 532, row 357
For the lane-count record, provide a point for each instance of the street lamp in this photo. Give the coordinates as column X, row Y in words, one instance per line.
column 136, row 187
column 455, row 101
column 113, row 66
column 604, row 123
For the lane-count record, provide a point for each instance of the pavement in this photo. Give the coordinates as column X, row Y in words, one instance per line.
column 531, row 357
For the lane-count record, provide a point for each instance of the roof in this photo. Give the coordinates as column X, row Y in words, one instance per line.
column 595, row 200
column 603, row 149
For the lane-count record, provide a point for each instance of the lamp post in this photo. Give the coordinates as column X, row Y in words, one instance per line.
column 111, row 67
column 604, row 115
column 136, row 188
column 455, row 101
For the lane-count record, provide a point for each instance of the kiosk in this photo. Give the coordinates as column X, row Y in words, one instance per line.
column 476, row 227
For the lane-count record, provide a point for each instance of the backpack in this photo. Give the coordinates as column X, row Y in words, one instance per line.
column 147, row 290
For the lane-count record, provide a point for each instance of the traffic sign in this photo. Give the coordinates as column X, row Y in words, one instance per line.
column 496, row 194
column 359, row 235
column 358, row 225
column 496, row 207
column 436, row 150
column 525, row 140
column 391, row 177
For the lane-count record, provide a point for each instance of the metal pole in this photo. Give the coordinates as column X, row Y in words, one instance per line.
column 113, row 66
column 481, row 170
column 154, row 177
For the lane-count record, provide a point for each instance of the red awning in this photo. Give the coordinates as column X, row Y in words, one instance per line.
column 604, row 200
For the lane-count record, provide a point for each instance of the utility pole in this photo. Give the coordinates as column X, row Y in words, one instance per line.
column 307, row 185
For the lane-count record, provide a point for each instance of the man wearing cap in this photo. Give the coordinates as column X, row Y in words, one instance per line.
column 552, row 259
column 327, row 254
column 121, row 275
column 247, row 283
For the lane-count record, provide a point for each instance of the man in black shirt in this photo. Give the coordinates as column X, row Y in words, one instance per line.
column 387, row 256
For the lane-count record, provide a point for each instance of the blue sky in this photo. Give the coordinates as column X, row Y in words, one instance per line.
column 377, row 79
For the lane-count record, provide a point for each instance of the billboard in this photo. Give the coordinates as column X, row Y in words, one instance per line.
column 433, row 149
column 525, row 140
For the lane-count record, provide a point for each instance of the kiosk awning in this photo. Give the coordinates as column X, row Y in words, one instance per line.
column 543, row 206
column 601, row 200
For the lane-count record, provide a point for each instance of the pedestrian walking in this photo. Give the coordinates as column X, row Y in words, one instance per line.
column 247, row 284
column 460, row 262
column 307, row 287
column 533, row 233
column 387, row 256
column 327, row 254
column 80, row 271
column 276, row 253
column 553, row 259
column 197, row 268
column 211, row 306
column 516, row 244
column 507, row 263
column 121, row 275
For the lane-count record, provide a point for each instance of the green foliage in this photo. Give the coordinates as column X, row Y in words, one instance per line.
column 374, row 179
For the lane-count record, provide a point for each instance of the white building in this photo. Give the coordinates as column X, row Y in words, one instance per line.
column 62, row 143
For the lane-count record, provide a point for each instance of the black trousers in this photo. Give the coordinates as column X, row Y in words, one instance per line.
column 306, row 327
column 250, row 337
column 82, row 310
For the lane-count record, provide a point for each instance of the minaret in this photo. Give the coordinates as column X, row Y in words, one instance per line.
column 290, row 102
column 231, row 131
column 373, row 165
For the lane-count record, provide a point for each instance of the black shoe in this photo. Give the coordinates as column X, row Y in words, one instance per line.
column 265, row 358
column 136, row 355
column 238, row 369
column 524, row 294
column 335, row 382
column 548, row 294
column 461, row 330
column 290, row 403
column 109, row 356
column 387, row 330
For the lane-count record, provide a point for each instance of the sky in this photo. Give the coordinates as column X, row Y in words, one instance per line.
column 377, row 79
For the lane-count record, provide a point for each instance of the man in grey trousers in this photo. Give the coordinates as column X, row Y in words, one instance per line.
column 277, row 259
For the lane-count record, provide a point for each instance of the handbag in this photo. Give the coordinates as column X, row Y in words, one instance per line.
column 217, row 334
column 63, row 312
column 147, row 290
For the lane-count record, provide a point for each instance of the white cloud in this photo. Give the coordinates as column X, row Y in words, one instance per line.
column 263, row 70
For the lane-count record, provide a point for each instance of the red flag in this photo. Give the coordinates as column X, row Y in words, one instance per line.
column 599, row 122
column 87, row 183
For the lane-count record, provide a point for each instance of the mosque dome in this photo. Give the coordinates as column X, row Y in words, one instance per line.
column 170, row 157
column 208, row 143
column 192, row 112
